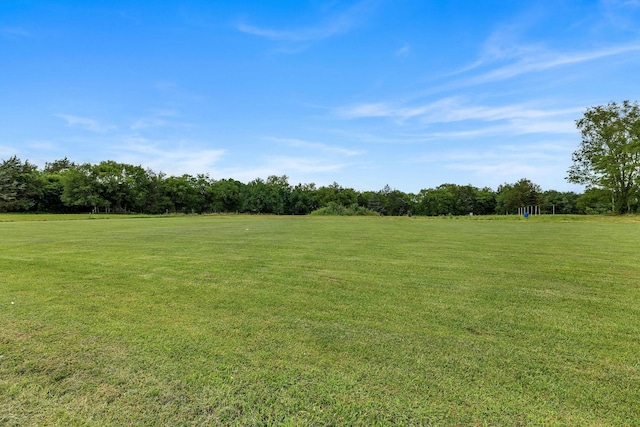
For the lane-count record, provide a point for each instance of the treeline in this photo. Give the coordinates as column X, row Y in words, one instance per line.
column 65, row 187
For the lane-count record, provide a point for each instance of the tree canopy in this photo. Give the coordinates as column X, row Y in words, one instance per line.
column 609, row 155
column 65, row 187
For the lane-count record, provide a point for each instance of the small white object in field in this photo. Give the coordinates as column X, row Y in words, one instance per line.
column 12, row 302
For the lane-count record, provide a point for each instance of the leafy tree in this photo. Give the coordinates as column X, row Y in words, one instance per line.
column 559, row 202
column 227, row 195
column 334, row 208
column 435, row 201
column 396, row 203
column 51, row 188
column 609, row 154
column 523, row 193
column 81, row 188
column 337, row 194
column 58, row 166
column 157, row 200
column 255, row 197
column 278, row 194
column 122, row 186
column 304, row 199
column 485, row 202
column 454, row 199
column 370, row 200
column 19, row 185
column 595, row 201
column 184, row 194
column 202, row 186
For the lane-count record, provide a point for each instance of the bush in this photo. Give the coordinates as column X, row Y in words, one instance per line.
column 334, row 208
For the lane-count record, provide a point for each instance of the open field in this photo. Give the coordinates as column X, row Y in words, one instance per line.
column 249, row 320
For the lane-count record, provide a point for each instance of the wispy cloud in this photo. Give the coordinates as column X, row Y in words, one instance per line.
column 543, row 162
column 447, row 110
column 516, row 127
column 15, row 32
column 42, row 145
column 84, row 123
column 622, row 14
column 547, row 61
column 159, row 118
column 287, row 164
column 182, row 158
column 298, row 169
column 319, row 146
column 546, row 151
column 403, row 51
column 7, row 151
column 336, row 24
column 146, row 123
column 504, row 55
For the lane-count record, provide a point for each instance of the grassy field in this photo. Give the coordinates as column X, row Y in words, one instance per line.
column 250, row 320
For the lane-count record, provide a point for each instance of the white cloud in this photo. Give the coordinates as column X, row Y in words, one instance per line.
column 163, row 112
column 182, row 158
column 147, row 123
column 519, row 118
column 287, row 164
column 315, row 146
column 15, row 32
column 622, row 14
column 7, row 152
column 403, row 51
column 545, row 163
column 158, row 117
column 366, row 110
column 334, row 25
column 84, row 123
column 546, row 61
column 42, row 145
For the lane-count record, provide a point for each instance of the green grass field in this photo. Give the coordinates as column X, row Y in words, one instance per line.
column 250, row 320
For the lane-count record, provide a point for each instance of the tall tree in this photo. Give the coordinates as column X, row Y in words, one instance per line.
column 609, row 154
column 227, row 195
column 50, row 195
column 19, row 185
column 303, row 199
column 559, row 202
column 523, row 193
column 81, row 188
column 183, row 191
column 594, row 201
column 157, row 200
column 278, row 194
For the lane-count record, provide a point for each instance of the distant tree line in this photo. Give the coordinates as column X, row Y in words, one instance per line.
column 65, row 187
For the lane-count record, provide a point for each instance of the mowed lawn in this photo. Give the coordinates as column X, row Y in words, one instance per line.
column 253, row 320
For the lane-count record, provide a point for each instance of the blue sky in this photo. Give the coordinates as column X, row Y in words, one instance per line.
column 409, row 93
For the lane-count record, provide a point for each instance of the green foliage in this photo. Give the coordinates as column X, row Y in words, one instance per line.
column 18, row 185
column 304, row 199
column 336, row 194
column 158, row 200
column 452, row 199
column 609, row 154
column 109, row 186
column 81, row 188
column 523, row 193
column 595, row 201
column 226, row 195
column 560, row 202
column 51, row 186
column 334, row 208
